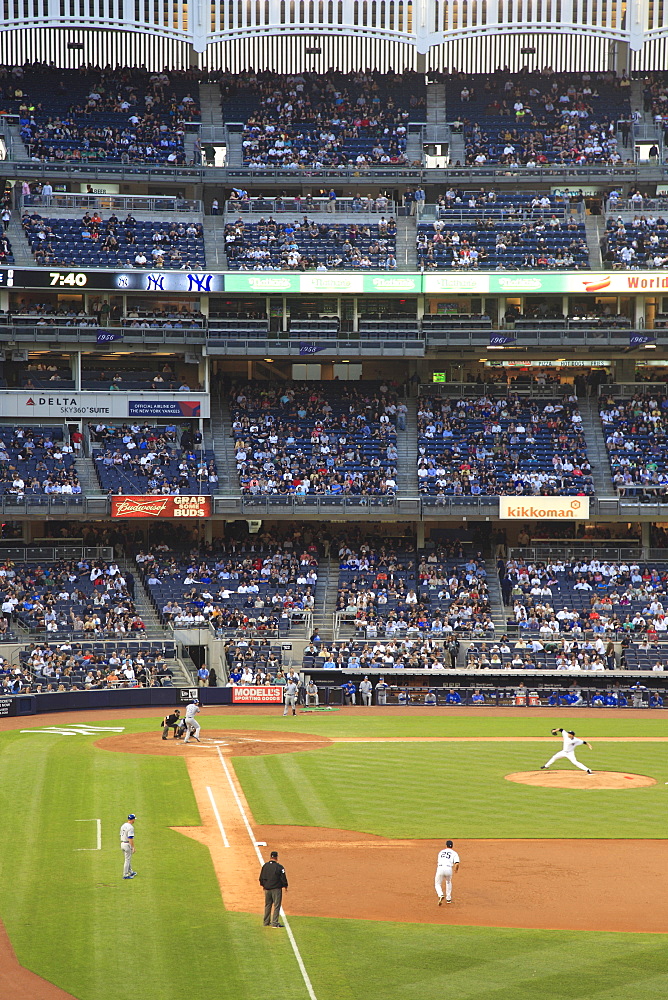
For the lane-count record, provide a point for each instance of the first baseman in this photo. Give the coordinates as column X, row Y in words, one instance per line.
column 568, row 751
column 192, row 725
column 447, row 863
column 128, row 845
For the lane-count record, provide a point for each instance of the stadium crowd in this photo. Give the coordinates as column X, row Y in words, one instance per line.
column 35, row 461
column 485, row 447
column 123, row 115
column 320, row 438
column 307, row 245
column 87, row 597
column 635, row 435
column 311, row 121
column 261, row 588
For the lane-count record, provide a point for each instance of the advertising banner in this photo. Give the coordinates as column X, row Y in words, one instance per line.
column 475, row 283
column 333, row 281
column 262, row 282
column 393, row 283
column 161, row 506
column 7, row 706
column 544, row 508
column 190, row 408
column 38, row 404
column 257, row 695
column 345, row 282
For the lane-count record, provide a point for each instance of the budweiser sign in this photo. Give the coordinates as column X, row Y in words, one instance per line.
column 161, row 506
column 544, row 508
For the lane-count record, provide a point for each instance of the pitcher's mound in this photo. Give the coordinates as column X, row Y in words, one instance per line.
column 580, row 779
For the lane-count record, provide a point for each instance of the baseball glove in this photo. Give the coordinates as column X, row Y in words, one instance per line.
column 555, row 732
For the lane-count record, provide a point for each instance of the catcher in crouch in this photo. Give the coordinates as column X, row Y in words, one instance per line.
column 568, row 750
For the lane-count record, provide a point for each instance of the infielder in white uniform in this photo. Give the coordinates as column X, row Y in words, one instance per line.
column 192, row 725
column 568, row 751
column 447, row 863
column 128, row 845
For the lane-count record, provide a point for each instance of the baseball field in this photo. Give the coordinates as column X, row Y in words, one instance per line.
column 561, row 890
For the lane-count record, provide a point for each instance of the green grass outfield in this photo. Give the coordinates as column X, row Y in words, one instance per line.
column 74, row 921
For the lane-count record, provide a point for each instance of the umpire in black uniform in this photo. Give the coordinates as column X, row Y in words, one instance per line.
column 170, row 722
column 273, row 880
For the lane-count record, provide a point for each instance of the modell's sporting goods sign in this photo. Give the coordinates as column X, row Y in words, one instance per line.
column 544, row 508
column 257, row 695
column 165, row 506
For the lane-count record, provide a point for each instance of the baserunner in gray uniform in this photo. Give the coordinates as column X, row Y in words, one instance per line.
column 291, row 692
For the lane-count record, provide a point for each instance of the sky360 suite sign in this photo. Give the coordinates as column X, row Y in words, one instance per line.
column 161, row 506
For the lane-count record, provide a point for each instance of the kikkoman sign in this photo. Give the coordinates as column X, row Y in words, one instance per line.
column 544, row 508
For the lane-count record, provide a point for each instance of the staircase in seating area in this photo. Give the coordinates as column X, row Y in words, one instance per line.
column 498, row 612
column 218, row 439
column 594, row 231
column 407, row 480
column 214, row 242
column 325, row 598
column 90, row 485
column 406, row 238
column 436, row 109
column 20, row 247
column 212, row 129
column 597, row 453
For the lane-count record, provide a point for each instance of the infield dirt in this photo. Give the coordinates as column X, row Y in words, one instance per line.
column 345, row 874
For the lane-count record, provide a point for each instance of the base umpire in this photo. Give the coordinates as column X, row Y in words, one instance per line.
column 273, row 880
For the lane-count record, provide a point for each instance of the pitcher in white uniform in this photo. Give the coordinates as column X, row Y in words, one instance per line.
column 568, row 751
column 128, row 845
column 447, row 863
column 192, row 725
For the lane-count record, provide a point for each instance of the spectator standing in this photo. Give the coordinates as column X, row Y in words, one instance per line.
column 6, row 217
column 331, row 201
column 418, row 201
column 203, row 675
column 214, row 206
column 47, row 194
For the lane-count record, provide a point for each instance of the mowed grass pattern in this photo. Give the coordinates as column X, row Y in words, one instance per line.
column 422, row 790
column 74, row 920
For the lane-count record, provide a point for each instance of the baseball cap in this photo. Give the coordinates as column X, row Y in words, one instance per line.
column 132, row 816
column 274, row 854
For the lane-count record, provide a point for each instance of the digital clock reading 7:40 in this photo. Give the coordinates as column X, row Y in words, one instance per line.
column 57, row 278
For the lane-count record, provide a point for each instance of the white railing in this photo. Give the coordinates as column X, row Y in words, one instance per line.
column 101, row 202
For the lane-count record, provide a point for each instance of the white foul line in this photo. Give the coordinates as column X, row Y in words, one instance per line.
column 219, row 821
column 291, row 937
column 99, row 835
